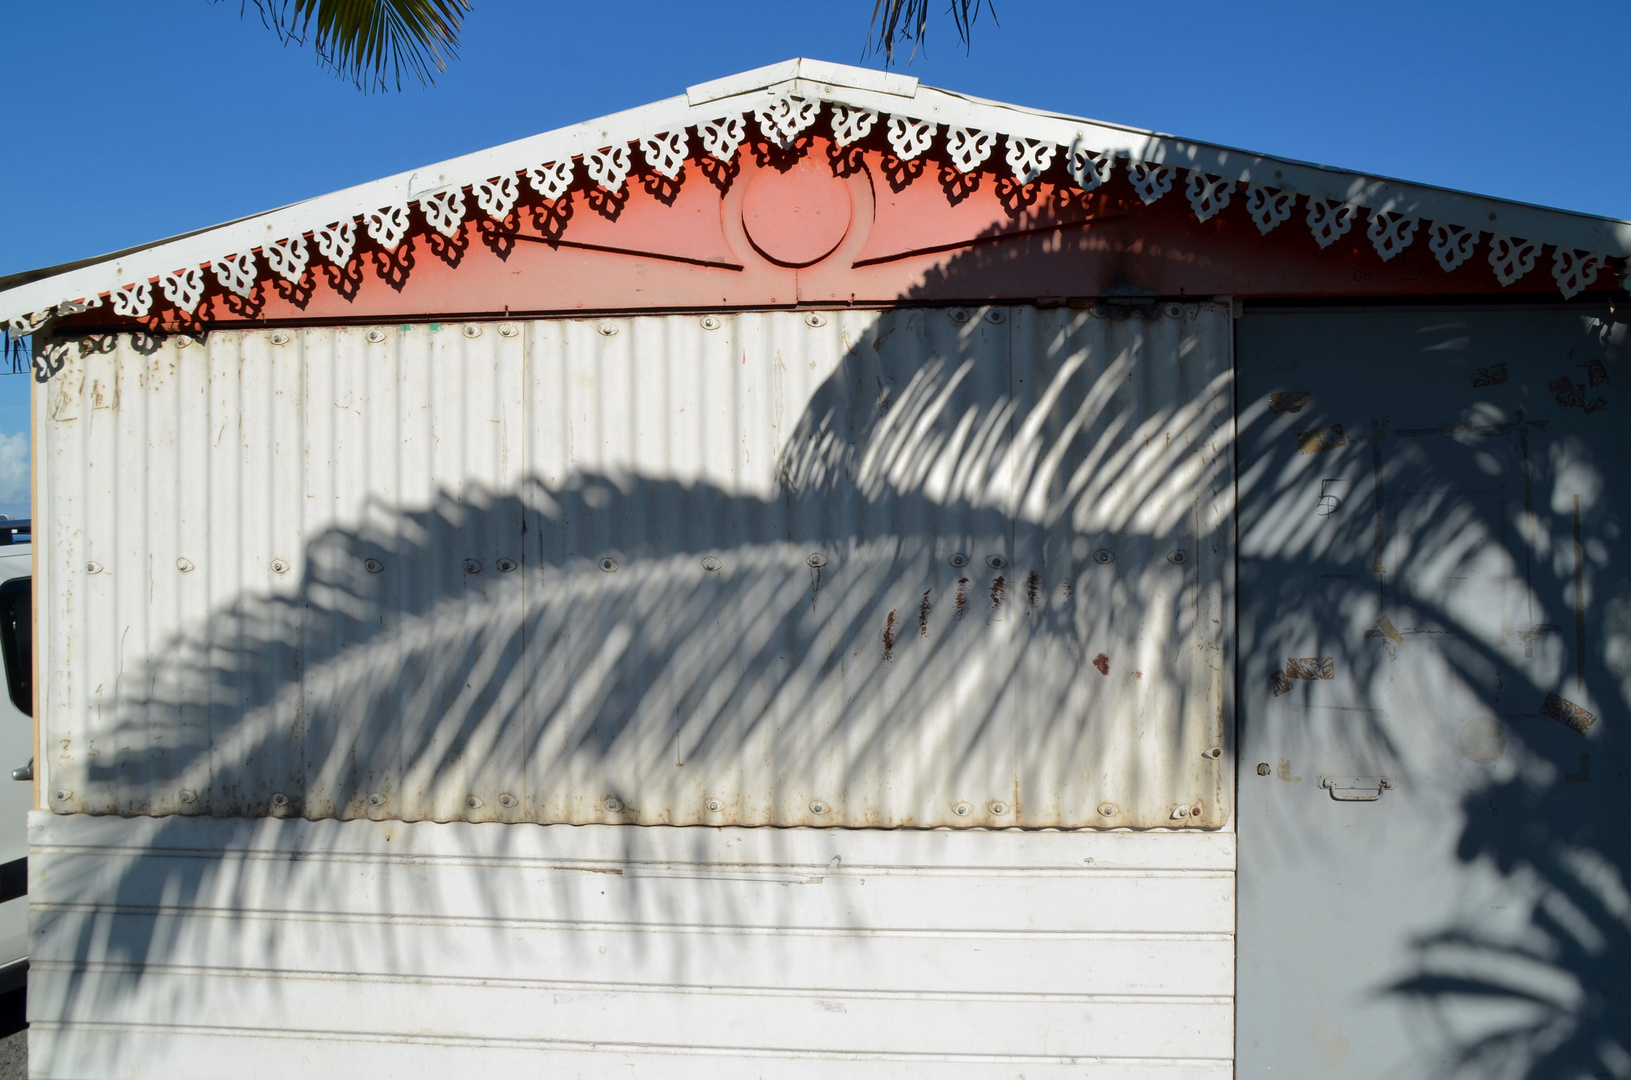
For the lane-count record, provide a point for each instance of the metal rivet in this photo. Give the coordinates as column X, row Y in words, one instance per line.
column 279, row 338
column 1263, row 768
column 280, row 800
column 1109, row 809
column 188, row 796
column 93, row 568
column 280, row 566
column 715, row 806
column 183, row 341
column 962, row 809
column 607, row 329
column 1180, row 812
column 613, row 804
column 184, row 565
column 472, row 566
column 472, row 802
column 1215, row 753
column 711, row 564
column 506, row 565
column 508, row 329
column 471, row 330
column 816, row 560
column 62, row 794
column 376, row 799
column 958, row 560
column 997, row 808
column 710, row 323
column 609, row 565
column 818, row 807
column 958, row 314
column 995, row 562
column 507, row 801
column 1103, row 557
column 815, row 318
column 995, row 315
column 376, row 336
column 373, row 566
column 1176, row 556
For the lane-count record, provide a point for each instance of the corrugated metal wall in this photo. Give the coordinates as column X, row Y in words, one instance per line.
column 182, row 948
column 917, row 567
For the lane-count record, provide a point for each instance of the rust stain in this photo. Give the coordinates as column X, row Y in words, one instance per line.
column 923, row 615
column 1494, row 375
column 889, row 638
column 1279, row 684
column 998, row 587
column 1310, row 667
column 1069, row 589
column 1102, row 662
column 1290, row 401
column 1138, row 674
column 1319, row 440
column 1567, row 713
column 961, row 600
column 1033, row 588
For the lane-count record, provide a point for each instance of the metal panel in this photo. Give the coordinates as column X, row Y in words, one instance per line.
column 1434, row 673
column 181, row 947
column 905, row 568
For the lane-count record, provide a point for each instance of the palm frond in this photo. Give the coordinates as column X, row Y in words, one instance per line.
column 898, row 21
column 373, row 43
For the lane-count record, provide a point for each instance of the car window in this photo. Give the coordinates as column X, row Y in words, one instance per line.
column 17, row 641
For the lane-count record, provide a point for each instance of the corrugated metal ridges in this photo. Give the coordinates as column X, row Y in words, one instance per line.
column 904, row 568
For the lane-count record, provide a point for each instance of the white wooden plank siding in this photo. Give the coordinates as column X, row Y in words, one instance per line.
column 184, row 947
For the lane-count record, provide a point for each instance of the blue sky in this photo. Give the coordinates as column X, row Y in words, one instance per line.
column 130, row 122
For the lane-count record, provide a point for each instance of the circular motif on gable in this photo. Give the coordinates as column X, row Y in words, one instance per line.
column 799, row 216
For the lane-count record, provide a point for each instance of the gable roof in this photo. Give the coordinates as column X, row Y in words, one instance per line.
column 782, row 102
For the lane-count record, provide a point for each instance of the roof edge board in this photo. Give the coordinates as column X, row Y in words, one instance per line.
column 818, row 71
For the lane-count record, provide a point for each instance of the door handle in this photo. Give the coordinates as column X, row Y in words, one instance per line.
column 1356, row 788
column 24, row 773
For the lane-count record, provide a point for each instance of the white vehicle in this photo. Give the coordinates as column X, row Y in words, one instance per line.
column 16, row 747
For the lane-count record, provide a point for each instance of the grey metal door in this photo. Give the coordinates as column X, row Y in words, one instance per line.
column 1435, row 664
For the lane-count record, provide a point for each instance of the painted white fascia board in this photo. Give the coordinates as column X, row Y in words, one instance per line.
column 832, row 76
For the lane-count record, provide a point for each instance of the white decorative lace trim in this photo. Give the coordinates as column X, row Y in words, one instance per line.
column 783, row 119
column 183, row 288
column 236, row 273
column 133, row 301
column 552, row 180
column 665, row 153
column 1390, row 233
column 387, row 225
column 444, row 212
column 1574, row 270
column 287, row 258
column 336, row 242
column 1511, row 258
column 1329, row 220
column 1451, row 244
column 851, row 124
column 609, row 167
column 1207, row 194
column 908, row 137
column 1029, row 158
column 497, row 197
column 722, row 137
column 968, row 149
column 1151, row 181
column 1269, row 207
column 1088, row 168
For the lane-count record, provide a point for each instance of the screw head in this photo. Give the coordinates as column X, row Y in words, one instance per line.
column 709, row 322
column 183, row 341
column 508, row 329
column 997, row 807
column 958, row 314
column 473, row 802
column 188, row 796
column 471, row 330
column 1263, row 768
column 376, row 336
column 279, row 338
column 280, row 800
column 507, row 801
column 472, row 566
column 505, row 565
column 1180, row 812
column 715, row 806
column 995, row 562
column 962, row 809
column 958, row 560
column 1195, row 811
column 607, row 329
column 996, row 315
column 373, row 566
column 1109, row 809
column 62, row 794
column 376, row 799
column 184, row 565
column 1103, row 557
column 613, row 804
column 711, row 564
column 1173, row 311
column 818, row 807
column 609, row 565
column 1215, row 752
column 1177, row 557
column 280, row 566
column 93, row 568
column 815, row 318
column 816, row 560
